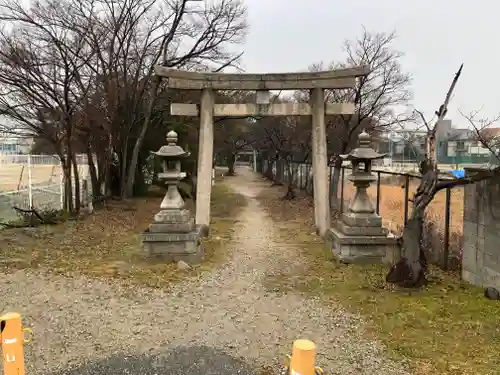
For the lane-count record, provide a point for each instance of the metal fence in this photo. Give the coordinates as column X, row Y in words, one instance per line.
column 391, row 194
column 36, row 181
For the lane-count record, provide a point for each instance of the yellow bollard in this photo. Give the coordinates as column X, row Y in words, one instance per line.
column 302, row 361
column 12, row 336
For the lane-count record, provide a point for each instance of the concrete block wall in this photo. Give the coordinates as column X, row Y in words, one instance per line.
column 481, row 252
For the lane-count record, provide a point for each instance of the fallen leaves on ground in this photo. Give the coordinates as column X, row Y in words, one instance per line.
column 108, row 244
column 446, row 328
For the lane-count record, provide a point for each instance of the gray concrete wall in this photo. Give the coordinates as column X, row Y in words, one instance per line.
column 481, row 252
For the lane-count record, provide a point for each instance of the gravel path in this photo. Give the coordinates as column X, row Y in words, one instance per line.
column 223, row 323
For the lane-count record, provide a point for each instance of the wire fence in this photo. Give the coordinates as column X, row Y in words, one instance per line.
column 390, row 194
column 35, row 181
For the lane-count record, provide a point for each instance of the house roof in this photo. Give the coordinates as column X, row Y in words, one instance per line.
column 489, row 133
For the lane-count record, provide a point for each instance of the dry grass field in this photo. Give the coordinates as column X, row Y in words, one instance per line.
column 15, row 176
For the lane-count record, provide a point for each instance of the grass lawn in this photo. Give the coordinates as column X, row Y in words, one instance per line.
column 447, row 328
column 107, row 243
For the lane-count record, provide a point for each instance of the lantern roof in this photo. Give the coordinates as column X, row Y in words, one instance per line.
column 171, row 149
column 364, row 151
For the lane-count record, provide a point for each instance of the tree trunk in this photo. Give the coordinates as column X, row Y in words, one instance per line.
column 108, row 161
column 410, row 270
column 100, row 166
column 123, row 168
column 76, row 176
column 68, row 187
column 334, row 184
column 278, row 179
column 310, row 181
column 290, row 192
column 96, row 188
column 129, row 188
column 269, row 170
column 231, row 161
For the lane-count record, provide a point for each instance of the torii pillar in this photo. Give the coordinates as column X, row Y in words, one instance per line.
column 205, row 160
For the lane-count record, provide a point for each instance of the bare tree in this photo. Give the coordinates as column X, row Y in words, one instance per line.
column 485, row 133
column 380, row 97
column 231, row 137
column 287, row 141
column 210, row 31
column 410, row 270
column 111, row 49
column 40, row 67
column 293, row 143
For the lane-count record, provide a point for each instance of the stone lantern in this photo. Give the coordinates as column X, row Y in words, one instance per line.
column 358, row 237
column 361, row 211
column 172, row 236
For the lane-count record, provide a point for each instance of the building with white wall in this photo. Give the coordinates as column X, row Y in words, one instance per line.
column 15, row 145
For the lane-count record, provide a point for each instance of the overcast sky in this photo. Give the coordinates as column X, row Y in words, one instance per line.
column 435, row 36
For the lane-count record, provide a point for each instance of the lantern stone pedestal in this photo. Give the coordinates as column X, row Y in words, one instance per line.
column 358, row 237
column 173, row 235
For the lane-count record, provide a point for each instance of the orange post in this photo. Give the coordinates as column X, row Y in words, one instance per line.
column 303, row 359
column 12, row 336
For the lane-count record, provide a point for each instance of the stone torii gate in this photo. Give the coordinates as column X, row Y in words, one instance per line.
column 316, row 82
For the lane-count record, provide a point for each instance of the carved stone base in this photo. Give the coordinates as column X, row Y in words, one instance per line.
column 173, row 236
column 363, row 249
column 172, row 247
column 172, row 216
column 361, row 231
column 361, row 220
column 172, row 227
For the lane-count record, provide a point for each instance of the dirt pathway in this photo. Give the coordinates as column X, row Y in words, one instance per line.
column 225, row 322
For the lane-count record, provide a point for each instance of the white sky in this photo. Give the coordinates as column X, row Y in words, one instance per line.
column 436, row 37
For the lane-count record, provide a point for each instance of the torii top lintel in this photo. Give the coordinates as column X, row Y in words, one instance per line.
column 332, row 79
